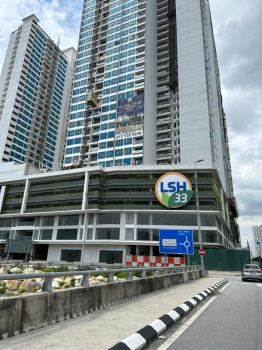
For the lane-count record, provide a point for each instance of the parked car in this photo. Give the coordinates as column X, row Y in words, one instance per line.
column 251, row 272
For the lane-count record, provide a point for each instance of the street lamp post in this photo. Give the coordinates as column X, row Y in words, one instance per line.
column 198, row 216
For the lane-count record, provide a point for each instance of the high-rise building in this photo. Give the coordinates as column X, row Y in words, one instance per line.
column 257, row 236
column 146, row 87
column 35, row 87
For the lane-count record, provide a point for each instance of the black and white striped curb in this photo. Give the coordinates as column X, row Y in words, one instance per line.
column 145, row 335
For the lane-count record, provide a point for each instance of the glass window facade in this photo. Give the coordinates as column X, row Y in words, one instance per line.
column 112, row 76
column 70, row 255
column 41, row 95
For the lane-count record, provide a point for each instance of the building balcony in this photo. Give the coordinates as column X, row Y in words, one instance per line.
column 164, row 156
column 163, row 104
column 163, row 121
column 163, row 146
column 163, row 113
column 164, row 138
column 162, row 130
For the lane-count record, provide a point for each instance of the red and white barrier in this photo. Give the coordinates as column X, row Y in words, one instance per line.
column 154, row 261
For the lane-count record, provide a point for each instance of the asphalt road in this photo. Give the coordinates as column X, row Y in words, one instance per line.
column 230, row 321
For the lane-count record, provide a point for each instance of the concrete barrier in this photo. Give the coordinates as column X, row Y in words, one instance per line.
column 32, row 311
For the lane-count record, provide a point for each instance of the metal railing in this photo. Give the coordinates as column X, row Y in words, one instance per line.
column 49, row 276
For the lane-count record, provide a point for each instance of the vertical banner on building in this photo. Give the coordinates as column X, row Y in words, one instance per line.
column 130, row 117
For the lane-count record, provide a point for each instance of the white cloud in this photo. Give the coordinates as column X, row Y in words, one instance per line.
column 238, row 29
column 59, row 19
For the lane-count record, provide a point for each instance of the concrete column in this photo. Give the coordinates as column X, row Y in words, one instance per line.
column 2, row 195
column 151, row 250
column 122, row 236
column 84, row 240
column 23, row 206
column 55, row 228
column 223, row 202
column 135, row 226
column 94, row 227
column 227, row 216
column 85, row 191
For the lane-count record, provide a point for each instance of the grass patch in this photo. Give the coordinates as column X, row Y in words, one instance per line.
column 121, row 274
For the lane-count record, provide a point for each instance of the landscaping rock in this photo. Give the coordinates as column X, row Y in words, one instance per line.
column 11, row 293
column 101, row 279
column 69, row 279
column 28, row 270
column 16, row 270
column 29, row 286
column 55, row 284
column 78, row 278
column 12, row 285
column 94, row 282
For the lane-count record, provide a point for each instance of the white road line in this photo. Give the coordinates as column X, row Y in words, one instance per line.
column 222, row 289
column 259, row 285
column 183, row 328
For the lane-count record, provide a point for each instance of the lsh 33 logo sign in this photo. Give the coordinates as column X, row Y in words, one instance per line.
column 173, row 190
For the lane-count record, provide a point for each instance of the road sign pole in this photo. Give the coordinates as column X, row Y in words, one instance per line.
column 188, row 260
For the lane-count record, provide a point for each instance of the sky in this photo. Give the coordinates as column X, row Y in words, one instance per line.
column 238, row 31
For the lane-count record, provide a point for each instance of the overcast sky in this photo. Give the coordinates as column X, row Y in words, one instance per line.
column 238, row 33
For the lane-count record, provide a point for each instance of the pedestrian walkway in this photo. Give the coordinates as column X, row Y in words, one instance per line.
column 104, row 328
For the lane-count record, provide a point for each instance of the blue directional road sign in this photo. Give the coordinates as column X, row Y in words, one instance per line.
column 176, row 242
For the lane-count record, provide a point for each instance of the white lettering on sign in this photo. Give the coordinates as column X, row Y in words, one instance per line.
column 169, row 243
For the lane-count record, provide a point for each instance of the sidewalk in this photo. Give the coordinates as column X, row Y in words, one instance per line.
column 102, row 329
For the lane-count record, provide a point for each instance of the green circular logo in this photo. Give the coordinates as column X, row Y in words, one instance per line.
column 173, row 190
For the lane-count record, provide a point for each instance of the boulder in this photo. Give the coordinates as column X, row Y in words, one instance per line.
column 29, row 286
column 69, row 279
column 101, row 279
column 10, row 293
column 2, row 271
column 16, row 270
column 12, row 285
column 28, row 270
column 55, row 284
column 94, row 282
column 59, row 279
column 39, row 280
column 78, row 277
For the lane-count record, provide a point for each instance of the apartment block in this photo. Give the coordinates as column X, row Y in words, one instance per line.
column 35, row 88
column 146, row 87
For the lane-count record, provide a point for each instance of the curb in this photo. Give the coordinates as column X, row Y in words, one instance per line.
column 145, row 335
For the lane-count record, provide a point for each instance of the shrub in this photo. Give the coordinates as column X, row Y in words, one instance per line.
column 2, row 290
column 22, row 290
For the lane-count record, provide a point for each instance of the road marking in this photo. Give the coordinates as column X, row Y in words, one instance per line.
column 259, row 285
column 183, row 328
column 222, row 289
